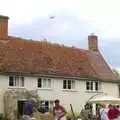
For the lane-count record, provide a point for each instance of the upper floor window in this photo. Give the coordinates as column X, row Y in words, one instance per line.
column 68, row 84
column 17, row 81
column 44, row 83
column 92, row 85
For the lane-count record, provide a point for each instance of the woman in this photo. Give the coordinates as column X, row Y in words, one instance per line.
column 59, row 111
column 103, row 112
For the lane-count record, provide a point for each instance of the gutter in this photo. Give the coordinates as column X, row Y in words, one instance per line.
column 29, row 74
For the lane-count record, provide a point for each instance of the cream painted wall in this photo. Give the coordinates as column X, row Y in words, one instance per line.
column 3, row 86
column 77, row 97
column 111, row 89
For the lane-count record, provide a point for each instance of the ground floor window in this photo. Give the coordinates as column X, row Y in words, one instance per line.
column 46, row 105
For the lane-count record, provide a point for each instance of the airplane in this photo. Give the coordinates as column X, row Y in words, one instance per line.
column 52, row 17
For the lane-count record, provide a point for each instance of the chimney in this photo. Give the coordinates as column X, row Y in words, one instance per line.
column 93, row 42
column 3, row 26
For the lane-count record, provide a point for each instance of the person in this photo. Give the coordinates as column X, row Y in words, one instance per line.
column 59, row 111
column 103, row 112
column 118, row 107
column 113, row 113
column 28, row 110
column 98, row 113
column 85, row 113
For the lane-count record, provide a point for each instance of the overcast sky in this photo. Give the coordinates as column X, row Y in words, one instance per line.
column 74, row 20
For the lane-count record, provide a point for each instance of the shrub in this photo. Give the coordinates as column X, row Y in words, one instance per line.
column 1, row 116
column 71, row 117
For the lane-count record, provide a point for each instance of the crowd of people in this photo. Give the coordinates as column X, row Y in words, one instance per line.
column 110, row 112
column 103, row 112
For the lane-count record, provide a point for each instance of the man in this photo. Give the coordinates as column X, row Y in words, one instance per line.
column 59, row 111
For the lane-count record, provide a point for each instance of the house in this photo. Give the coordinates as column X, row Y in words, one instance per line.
column 70, row 74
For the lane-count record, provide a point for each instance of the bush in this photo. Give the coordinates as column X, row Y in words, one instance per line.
column 1, row 116
column 71, row 117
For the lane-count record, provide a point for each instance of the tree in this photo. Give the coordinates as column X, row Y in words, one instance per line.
column 116, row 72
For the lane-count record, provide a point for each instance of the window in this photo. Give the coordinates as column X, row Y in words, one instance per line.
column 44, row 83
column 92, row 85
column 46, row 105
column 17, row 81
column 68, row 84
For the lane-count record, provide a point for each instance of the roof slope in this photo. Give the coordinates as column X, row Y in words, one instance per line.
column 100, row 66
column 18, row 55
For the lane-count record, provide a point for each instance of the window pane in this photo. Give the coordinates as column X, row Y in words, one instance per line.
column 69, row 84
column 47, row 105
column 16, row 81
column 99, row 85
column 11, row 81
column 87, row 85
column 51, row 105
column 91, row 86
column 64, row 84
column 96, row 85
column 73, row 84
column 39, row 83
column 49, row 83
column 21, row 81
column 44, row 83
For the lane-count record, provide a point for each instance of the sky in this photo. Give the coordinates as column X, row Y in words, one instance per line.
column 74, row 20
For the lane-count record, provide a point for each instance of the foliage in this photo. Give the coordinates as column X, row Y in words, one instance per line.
column 70, row 115
column 116, row 72
column 1, row 116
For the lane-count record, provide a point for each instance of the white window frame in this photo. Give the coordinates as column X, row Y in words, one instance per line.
column 46, row 83
column 70, row 84
column 92, row 86
column 18, row 81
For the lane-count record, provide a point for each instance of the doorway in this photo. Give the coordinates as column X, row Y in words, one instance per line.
column 20, row 108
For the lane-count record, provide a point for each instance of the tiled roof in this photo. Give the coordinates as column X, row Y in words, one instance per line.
column 19, row 55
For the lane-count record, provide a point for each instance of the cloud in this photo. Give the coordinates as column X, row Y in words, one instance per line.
column 65, row 28
column 111, row 52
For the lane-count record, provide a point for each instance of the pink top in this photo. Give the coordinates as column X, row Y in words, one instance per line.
column 59, row 111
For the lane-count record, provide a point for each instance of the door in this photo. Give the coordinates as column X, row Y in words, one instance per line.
column 20, row 108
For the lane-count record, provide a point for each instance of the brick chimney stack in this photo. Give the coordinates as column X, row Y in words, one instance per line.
column 3, row 26
column 93, row 42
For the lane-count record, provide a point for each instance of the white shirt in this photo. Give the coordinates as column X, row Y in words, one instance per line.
column 104, row 114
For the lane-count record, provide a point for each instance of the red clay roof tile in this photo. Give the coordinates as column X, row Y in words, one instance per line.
column 19, row 55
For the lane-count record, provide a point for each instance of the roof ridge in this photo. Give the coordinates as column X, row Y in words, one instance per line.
column 47, row 42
